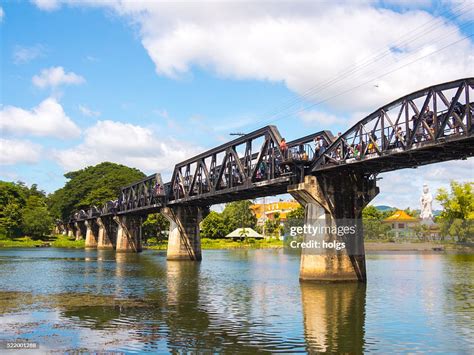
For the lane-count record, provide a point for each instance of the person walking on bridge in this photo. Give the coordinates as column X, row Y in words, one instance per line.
column 320, row 146
column 284, row 148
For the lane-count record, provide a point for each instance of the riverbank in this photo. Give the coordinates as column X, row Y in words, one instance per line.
column 208, row 243
column 370, row 246
column 62, row 241
column 56, row 241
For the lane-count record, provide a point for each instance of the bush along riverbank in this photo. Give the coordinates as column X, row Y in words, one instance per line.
column 208, row 243
column 55, row 241
column 62, row 241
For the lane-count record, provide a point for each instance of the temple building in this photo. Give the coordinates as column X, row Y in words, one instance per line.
column 264, row 211
column 402, row 224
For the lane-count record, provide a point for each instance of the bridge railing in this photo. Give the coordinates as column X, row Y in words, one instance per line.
column 144, row 194
column 250, row 159
column 305, row 150
column 419, row 119
column 85, row 214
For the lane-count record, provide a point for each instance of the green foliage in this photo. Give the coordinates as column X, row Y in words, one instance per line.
column 57, row 241
column 272, row 226
column 36, row 219
column 214, row 226
column 248, row 243
column 294, row 218
column 297, row 213
column 155, row 226
column 23, row 210
column 372, row 221
column 12, row 198
column 413, row 213
column 239, row 215
column 10, row 220
column 93, row 185
column 457, row 217
column 422, row 231
column 235, row 215
column 23, row 242
column 63, row 241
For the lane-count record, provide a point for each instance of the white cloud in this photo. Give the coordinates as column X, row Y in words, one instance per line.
column 47, row 5
column 86, row 111
column 302, row 44
column 2, row 14
column 56, row 76
column 25, row 54
column 408, row 183
column 127, row 144
column 14, row 151
column 46, row 119
column 320, row 118
column 91, row 58
column 459, row 8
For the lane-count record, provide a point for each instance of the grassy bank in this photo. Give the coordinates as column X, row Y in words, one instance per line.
column 208, row 243
column 55, row 241
column 62, row 241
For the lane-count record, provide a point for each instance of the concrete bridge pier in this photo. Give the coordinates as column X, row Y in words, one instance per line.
column 129, row 233
column 334, row 201
column 105, row 233
column 92, row 231
column 70, row 230
column 79, row 230
column 184, row 242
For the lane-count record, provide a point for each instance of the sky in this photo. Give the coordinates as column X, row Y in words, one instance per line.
column 151, row 83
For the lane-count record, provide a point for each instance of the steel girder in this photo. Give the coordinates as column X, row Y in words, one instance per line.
column 429, row 125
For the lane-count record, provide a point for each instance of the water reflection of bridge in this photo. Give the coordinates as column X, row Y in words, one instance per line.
column 189, row 311
column 334, row 181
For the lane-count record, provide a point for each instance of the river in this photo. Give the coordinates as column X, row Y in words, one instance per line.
column 233, row 301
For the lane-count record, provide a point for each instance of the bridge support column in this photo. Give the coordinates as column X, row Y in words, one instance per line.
column 105, row 233
column 184, row 242
column 70, row 230
column 79, row 230
column 91, row 234
column 129, row 232
column 334, row 201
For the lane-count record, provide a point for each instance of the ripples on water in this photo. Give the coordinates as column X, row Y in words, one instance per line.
column 234, row 301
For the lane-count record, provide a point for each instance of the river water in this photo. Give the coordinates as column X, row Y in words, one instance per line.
column 233, row 301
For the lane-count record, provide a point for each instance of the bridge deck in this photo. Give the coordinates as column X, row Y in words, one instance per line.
column 406, row 133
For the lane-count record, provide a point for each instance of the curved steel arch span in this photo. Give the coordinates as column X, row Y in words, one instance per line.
column 430, row 125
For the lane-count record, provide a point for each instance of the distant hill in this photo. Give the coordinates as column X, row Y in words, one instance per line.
column 384, row 208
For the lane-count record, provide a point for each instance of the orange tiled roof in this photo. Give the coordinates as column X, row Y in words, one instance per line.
column 282, row 207
column 400, row 216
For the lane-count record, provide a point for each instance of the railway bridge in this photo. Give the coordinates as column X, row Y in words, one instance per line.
column 334, row 178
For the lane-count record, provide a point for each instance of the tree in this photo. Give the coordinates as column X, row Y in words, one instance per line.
column 372, row 222
column 36, row 219
column 10, row 220
column 239, row 215
column 90, row 186
column 272, row 226
column 155, row 226
column 214, row 226
column 457, row 217
column 413, row 213
column 294, row 218
column 12, row 199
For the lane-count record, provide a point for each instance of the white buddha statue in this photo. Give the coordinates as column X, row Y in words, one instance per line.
column 426, row 201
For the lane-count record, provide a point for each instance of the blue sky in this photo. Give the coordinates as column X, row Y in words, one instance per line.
column 150, row 84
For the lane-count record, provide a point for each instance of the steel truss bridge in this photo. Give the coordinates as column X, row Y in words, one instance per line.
column 430, row 125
